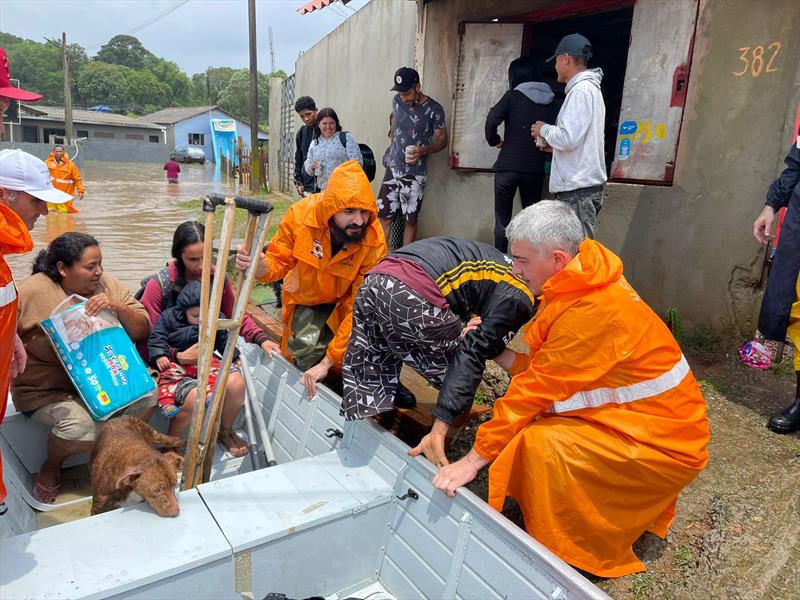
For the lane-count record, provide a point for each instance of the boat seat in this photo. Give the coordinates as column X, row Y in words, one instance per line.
column 257, row 507
column 140, row 548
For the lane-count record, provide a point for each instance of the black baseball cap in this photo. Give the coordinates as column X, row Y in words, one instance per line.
column 404, row 79
column 573, row 44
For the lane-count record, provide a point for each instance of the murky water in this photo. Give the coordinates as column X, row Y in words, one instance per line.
column 131, row 210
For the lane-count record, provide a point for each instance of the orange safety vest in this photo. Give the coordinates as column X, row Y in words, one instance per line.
column 603, row 423
column 300, row 254
column 14, row 239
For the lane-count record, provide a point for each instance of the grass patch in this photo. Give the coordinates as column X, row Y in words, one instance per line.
column 641, row 586
column 279, row 203
column 684, row 557
column 703, row 338
column 479, row 398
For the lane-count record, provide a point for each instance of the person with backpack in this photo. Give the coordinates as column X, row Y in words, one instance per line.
column 330, row 147
column 306, row 109
column 159, row 292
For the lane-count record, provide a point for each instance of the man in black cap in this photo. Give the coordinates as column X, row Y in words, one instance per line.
column 419, row 130
column 577, row 140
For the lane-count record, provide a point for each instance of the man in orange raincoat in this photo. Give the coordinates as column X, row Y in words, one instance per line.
column 25, row 190
column 66, row 177
column 324, row 246
column 603, row 423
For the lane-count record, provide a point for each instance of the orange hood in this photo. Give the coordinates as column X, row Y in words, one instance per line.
column 594, row 266
column 14, row 235
column 348, row 187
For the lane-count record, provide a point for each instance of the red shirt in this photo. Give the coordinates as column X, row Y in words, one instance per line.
column 172, row 168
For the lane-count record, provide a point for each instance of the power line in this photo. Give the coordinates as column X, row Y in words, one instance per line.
column 144, row 24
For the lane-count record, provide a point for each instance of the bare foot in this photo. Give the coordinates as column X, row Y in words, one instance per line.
column 232, row 442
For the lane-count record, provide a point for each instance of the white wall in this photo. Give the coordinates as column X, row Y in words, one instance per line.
column 351, row 70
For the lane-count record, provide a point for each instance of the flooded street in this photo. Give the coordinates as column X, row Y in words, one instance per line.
column 131, row 210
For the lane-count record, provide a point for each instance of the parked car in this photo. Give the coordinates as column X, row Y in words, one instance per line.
column 188, row 154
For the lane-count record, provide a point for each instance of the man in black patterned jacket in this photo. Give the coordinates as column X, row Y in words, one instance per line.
column 443, row 306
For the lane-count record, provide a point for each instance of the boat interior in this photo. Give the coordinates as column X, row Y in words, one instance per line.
column 345, row 513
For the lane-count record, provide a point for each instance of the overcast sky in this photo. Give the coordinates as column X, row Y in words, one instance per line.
column 198, row 34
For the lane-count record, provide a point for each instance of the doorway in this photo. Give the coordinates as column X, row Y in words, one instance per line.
column 609, row 32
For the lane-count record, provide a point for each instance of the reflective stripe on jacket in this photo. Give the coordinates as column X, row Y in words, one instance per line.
column 65, row 174
column 300, row 254
column 602, row 425
column 14, row 239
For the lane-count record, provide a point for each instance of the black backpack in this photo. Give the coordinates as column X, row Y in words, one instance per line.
column 162, row 279
column 367, row 156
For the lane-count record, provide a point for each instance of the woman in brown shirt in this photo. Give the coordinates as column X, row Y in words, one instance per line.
column 72, row 264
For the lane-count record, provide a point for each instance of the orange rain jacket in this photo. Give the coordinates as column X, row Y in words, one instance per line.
column 300, row 254
column 603, row 423
column 67, row 178
column 14, row 239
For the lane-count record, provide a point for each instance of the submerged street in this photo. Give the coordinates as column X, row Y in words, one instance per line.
column 131, row 210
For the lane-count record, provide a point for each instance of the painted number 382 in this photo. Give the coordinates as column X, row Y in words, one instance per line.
column 758, row 59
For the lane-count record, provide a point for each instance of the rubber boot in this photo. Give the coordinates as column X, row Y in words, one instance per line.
column 788, row 420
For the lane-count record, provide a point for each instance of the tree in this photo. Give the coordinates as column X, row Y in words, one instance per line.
column 104, row 83
column 179, row 84
column 126, row 51
column 209, row 84
column 37, row 66
column 235, row 97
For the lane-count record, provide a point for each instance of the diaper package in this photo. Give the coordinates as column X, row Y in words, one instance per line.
column 99, row 358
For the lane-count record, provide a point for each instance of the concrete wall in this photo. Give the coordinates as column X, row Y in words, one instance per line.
column 273, row 173
column 111, row 150
column 688, row 245
column 351, row 70
column 84, row 128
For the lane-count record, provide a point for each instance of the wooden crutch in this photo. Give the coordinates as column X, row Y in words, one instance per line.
column 205, row 423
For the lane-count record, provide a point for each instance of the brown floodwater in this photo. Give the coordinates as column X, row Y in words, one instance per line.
column 131, row 210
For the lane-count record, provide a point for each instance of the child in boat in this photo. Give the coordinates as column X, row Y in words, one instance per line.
column 177, row 330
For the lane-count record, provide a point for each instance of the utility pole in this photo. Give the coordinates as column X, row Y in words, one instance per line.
column 271, row 51
column 251, row 17
column 69, row 133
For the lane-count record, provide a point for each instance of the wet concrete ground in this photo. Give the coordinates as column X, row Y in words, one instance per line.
column 131, row 210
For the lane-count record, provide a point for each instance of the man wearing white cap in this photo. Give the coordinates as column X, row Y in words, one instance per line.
column 25, row 190
column 17, row 216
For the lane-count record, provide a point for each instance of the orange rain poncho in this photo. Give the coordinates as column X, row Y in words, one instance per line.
column 603, row 423
column 67, row 178
column 14, row 239
column 300, row 254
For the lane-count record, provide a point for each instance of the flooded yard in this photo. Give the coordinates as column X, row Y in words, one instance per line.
column 131, row 210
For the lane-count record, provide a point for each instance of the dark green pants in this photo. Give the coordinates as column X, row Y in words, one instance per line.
column 311, row 334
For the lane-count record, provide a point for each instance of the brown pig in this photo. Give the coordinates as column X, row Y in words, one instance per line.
column 123, row 463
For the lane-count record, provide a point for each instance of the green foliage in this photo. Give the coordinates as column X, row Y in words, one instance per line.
column 126, row 76
column 103, row 83
column 479, row 398
column 125, row 51
column 673, row 320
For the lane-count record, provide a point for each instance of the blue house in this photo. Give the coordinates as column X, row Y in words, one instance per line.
column 191, row 126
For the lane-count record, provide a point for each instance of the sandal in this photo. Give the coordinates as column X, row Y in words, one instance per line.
column 235, row 450
column 46, row 494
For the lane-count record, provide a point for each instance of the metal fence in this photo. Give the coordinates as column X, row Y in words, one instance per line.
column 286, row 149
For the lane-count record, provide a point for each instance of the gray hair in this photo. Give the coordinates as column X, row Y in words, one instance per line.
column 547, row 225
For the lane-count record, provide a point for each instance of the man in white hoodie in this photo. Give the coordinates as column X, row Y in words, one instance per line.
column 578, row 172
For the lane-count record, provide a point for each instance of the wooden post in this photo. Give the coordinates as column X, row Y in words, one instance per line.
column 251, row 14
column 69, row 133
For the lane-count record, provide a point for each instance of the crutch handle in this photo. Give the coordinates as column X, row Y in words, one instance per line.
column 254, row 206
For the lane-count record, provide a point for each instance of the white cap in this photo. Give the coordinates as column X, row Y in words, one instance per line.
column 24, row 172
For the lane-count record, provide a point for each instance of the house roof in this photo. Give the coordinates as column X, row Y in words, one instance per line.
column 170, row 116
column 56, row 113
column 175, row 114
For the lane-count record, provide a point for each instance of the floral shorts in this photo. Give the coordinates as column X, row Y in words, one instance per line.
column 401, row 193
